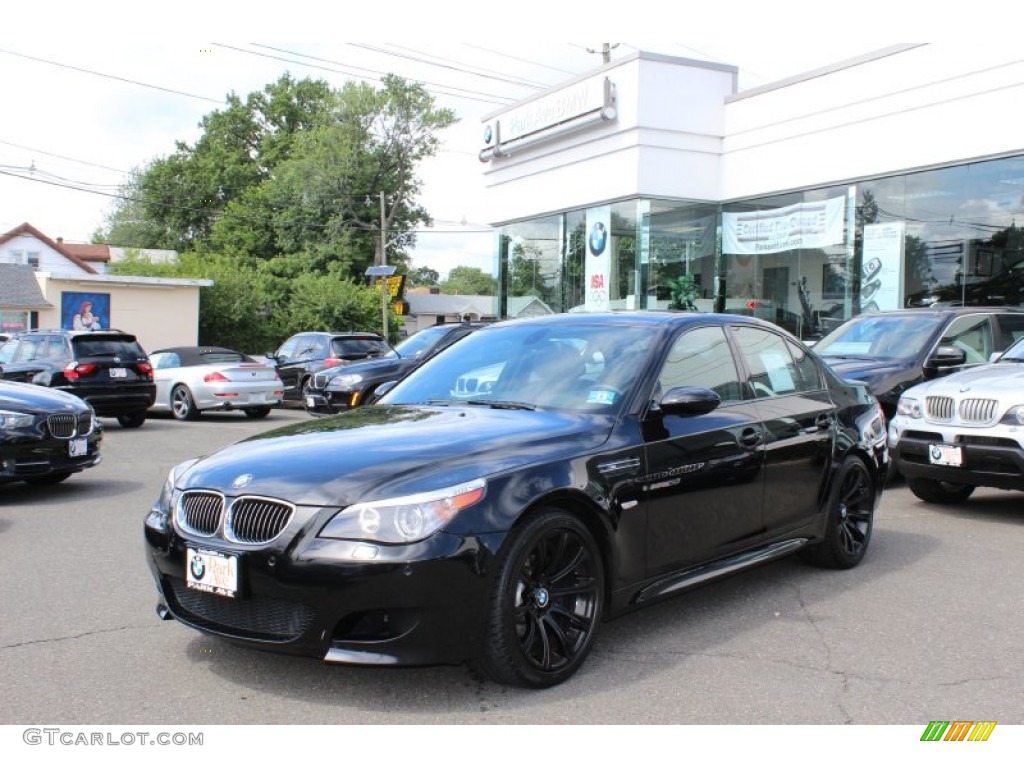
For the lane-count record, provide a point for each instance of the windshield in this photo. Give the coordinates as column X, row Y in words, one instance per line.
column 420, row 342
column 883, row 336
column 560, row 366
column 1015, row 354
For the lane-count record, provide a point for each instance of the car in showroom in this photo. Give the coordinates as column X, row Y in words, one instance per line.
column 108, row 369
column 190, row 380
column 303, row 355
column 45, row 435
column 894, row 350
column 347, row 386
column 966, row 430
column 617, row 460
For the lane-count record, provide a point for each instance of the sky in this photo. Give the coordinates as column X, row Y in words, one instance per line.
column 85, row 104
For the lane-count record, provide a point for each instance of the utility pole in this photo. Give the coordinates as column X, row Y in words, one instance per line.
column 606, row 51
column 383, row 263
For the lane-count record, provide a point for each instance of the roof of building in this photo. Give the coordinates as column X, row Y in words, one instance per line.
column 58, row 246
column 87, row 251
column 19, row 288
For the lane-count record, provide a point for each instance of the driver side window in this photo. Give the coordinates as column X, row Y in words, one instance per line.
column 972, row 334
column 702, row 358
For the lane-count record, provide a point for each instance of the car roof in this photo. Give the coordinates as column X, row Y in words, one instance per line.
column 194, row 355
column 652, row 318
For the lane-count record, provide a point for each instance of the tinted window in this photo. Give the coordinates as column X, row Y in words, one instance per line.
column 702, row 358
column 1013, row 328
column 221, row 357
column 93, row 346
column 972, row 334
column 773, row 370
column 346, row 347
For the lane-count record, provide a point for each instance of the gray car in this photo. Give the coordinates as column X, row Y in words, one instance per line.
column 190, row 380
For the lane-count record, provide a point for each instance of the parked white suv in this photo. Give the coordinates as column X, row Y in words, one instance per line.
column 953, row 434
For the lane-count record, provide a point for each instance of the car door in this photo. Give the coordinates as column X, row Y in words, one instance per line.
column 799, row 421
column 702, row 481
column 290, row 362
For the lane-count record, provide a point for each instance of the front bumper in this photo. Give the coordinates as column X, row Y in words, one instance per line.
column 327, row 403
column 27, row 460
column 990, row 457
column 423, row 603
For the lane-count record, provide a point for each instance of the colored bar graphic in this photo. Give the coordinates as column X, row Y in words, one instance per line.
column 958, row 730
column 935, row 730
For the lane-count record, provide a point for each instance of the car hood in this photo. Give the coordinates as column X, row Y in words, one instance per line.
column 379, row 452
column 996, row 380
column 32, row 398
column 384, row 366
column 871, row 371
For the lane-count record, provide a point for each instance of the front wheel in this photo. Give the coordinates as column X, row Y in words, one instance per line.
column 547, row 603
column 132, row 420
column 851, row 512
column 937, row 492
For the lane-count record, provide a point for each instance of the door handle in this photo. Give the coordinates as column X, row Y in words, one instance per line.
column 751, row 438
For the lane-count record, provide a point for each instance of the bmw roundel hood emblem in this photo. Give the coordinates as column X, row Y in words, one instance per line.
column 598, row 238
column 241, row 481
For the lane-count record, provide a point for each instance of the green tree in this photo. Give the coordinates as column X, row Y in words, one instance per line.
column 423, row 277
column 468, row 281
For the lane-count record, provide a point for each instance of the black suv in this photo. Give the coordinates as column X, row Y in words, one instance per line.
column 347, row 386
column 108, row 369
column 892, row 351
column 305, row 354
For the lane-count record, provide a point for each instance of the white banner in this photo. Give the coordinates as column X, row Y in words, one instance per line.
column 881, row 280
column 803, row 225
column 599, row 259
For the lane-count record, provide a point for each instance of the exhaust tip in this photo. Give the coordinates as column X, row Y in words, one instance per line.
column 164, row 612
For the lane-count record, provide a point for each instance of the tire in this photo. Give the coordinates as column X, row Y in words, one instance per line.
column 547, row 603
column 937, row 492
column 132, row 420
column 850, row 511
column 256, row 413
column 60, row 477
column 183, row 406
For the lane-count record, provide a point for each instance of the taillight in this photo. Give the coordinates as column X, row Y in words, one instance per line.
column 145, row 369
column 215, row 376
column 75, row 370
column 751, row 305
column 330, row 362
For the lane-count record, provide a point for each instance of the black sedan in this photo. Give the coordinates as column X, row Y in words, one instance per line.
column 615, row 460
column 346, row 386
column 45, row 435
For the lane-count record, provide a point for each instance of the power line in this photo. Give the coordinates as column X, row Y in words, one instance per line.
column 419, row 58
column 521, row 59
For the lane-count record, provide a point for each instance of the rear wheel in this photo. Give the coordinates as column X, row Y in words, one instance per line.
column 547, row 604
column 851, row 512
column 183, row 407
column 132, row 420
column 256, row 413
column 937, row 492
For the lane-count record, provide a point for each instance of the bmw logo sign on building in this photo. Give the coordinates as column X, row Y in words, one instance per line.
column 598, row 238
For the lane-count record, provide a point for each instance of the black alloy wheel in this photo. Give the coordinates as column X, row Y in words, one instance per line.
column 548, row 603
column 850, row 511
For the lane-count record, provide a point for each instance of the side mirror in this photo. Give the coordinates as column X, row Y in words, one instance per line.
column 947, row 357
column 689, row 401
column 380, row 391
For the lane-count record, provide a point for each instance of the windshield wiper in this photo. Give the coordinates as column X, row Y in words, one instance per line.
column 506, row 404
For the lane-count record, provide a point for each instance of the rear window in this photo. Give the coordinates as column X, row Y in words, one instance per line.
column 347, row 347
column 110, row 346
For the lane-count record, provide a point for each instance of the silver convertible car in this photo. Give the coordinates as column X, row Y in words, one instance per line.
column 190, row 380
column 955, row 433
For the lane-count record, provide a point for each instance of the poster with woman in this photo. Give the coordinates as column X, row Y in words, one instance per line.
column 84, row 311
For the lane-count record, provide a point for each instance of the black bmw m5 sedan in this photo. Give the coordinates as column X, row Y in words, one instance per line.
column 598, row 463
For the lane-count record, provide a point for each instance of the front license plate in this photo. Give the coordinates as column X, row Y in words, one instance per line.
column 210, row 571
column 310, row 402
column 946, row 455
column 78, row 447
column 118, row 373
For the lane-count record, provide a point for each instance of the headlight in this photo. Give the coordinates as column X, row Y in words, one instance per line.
column 15, row 420
column 909, row 407
column 1014, row 416
column 167, row 492
column 345, row 382
column 405, row 519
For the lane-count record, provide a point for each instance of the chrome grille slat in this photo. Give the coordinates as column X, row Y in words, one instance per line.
column 253, row 520
column 62, row 425
column 939, row 408
column 200, row 512
column 978, row 411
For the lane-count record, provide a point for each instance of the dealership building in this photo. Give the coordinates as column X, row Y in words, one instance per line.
column 893, row 179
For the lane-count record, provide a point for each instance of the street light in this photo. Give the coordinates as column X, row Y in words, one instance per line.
column 383, row 273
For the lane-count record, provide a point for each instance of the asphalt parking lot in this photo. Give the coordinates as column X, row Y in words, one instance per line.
column 929, row 626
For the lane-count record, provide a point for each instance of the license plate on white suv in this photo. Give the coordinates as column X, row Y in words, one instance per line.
column 946, row 455
column 209, row 571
